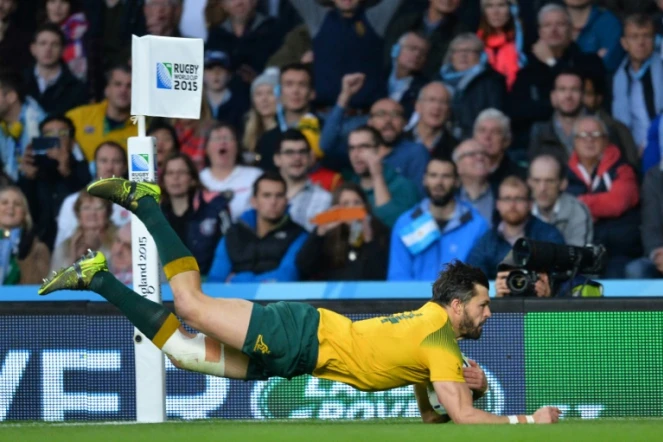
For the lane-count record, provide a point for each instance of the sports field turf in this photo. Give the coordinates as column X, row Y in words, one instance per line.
column 344, row 431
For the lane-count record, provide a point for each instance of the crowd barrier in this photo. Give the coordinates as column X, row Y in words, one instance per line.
column 593, row 358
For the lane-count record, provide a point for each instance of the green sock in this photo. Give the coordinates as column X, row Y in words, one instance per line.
column 175, row 256
column 154, row 320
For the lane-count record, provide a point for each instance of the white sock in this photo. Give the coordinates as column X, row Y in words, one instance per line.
column 197, row 353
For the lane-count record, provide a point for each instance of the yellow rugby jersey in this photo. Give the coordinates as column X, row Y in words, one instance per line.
column 389, row 351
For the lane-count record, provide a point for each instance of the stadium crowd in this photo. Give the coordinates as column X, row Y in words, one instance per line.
column 459, row 126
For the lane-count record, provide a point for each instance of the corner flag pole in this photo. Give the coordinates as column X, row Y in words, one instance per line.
column 166, row 81
column 149, row 361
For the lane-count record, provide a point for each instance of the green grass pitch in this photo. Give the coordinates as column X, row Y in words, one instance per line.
column 399, row 430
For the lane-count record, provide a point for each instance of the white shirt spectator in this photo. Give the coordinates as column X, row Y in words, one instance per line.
column 307, row 203
column 240, row 181
column 67, row 221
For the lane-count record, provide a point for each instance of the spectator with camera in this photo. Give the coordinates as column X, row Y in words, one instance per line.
column 263, row 245
column 52, row 168
column 514, row 204
column 600, row 177
column 24, row 259
column 294, row 160
column 50, row 81
column 20, row 116
column 439, row 230
column 548, row 182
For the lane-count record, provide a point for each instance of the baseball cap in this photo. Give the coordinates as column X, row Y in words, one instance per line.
column 217, row 58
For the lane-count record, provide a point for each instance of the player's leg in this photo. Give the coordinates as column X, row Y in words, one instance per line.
column 226, row 320
column 194, row 352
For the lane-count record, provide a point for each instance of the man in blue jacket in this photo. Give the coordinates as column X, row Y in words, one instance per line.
column 263, row 244
column 438, row 230
column 514, row 204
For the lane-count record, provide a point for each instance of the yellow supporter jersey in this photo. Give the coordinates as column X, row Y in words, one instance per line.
column 389, row 351
column 92, row 128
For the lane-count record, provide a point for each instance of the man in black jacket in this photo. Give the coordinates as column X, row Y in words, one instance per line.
column 50, row 82
column 263, row 244
column 555, row 50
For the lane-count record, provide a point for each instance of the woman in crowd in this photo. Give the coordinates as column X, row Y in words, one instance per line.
column 200, row 218
column 95, row 231
column 23, row 258
column 346, row 251
column 167, row 142
column 68, row 14
column 502, row 34
column 224, row 172
column 262, row 116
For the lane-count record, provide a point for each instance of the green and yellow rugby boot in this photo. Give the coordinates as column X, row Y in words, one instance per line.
column 124, row 192
column 77, row 276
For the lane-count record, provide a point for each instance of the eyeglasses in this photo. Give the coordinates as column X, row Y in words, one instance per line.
column 517, row 200
column 590, row 135
column 471, row 153
column 295, row 153
column 391, row 114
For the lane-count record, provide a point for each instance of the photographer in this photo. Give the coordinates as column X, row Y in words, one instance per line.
column 52, row 167
column 514, row 204
column 545, row 269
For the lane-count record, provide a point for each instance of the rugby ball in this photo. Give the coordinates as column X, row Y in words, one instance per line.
column 432, row 396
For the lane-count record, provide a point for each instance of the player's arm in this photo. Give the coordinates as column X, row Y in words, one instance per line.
column 456, row 398
column 428, row 415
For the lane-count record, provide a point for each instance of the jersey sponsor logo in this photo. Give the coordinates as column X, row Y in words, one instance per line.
column 395, row 319
column 261, row 346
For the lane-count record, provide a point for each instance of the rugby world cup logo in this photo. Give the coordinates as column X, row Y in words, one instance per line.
column 164, row 75
column 140, row 162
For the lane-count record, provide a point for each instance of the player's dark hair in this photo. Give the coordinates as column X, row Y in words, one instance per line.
column 571, row 72
column 457, row 281
column 270, row 175
column 293, row 135
column 11, row 81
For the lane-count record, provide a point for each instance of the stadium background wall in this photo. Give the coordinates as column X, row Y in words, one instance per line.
column 592, row 358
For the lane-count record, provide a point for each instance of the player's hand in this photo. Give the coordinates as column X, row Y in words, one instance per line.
column 658, row 259
column 374, row 162
column 475, row 377
column 27, row 165
column 542, row 286
column 324, row 228
column 602, row 52
column 547, row 415
column 501, row 289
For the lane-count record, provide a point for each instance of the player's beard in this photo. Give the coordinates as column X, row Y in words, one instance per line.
column 467, row 328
